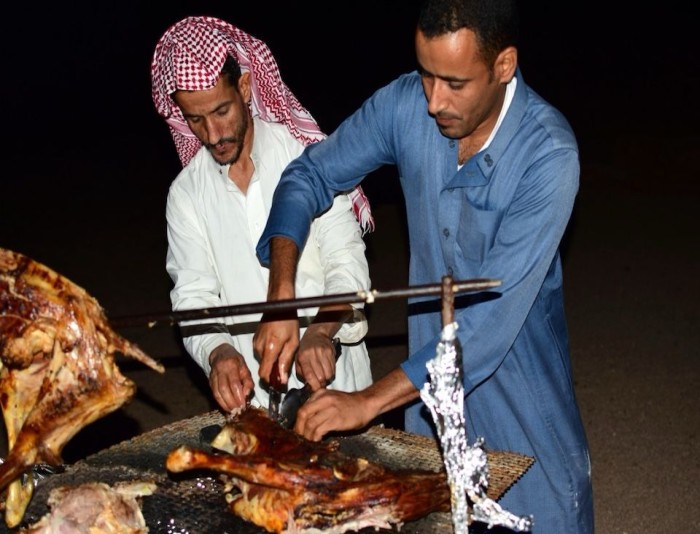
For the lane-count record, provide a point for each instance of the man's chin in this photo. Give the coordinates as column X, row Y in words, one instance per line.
column 223, row 159
column 222, row 162
column 450, row 133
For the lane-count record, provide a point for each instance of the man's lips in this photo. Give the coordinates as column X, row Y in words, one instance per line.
column 220, row 147
column 445, row 121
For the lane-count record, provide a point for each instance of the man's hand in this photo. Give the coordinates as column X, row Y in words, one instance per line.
column 276, row 339
column 230, row 379
column 316, row 359
column 328, row 410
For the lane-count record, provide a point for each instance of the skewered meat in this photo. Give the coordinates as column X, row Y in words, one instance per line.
column 95, row 508
column 57, row 370
column 285, row 483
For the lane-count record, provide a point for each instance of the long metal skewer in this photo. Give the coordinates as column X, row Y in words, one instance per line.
column 368, row 296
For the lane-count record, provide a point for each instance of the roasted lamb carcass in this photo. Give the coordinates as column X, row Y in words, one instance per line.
column 285, row 483
column 57, row 370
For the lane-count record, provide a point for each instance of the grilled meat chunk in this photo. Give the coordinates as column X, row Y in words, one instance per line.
column 285, row 483
column 95, row 508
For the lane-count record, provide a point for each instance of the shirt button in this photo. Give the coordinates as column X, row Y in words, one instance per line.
column 445, row 232
column 449, row 271
column 452, row 144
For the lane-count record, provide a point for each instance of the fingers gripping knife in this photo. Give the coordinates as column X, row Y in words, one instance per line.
column 286, row 412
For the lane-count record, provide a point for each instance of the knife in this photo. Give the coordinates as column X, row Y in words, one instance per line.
column 275, row 393
column 287, row 412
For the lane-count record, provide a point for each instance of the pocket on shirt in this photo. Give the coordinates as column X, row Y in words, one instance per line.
column 477, row 231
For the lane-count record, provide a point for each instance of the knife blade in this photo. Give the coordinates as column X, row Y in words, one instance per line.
column 275, row 393
column 295, row 397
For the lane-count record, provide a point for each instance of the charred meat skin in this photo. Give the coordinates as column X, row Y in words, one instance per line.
column 284, row 483
column 57, row 369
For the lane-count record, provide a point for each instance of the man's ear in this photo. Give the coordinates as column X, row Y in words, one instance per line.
column 506, row 63
column 244, row 86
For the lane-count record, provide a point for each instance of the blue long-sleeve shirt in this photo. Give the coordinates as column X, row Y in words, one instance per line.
column 502, row 215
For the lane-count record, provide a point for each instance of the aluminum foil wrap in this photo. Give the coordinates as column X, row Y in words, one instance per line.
column 466, row 466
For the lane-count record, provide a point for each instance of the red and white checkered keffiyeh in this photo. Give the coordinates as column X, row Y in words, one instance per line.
column 189, row 57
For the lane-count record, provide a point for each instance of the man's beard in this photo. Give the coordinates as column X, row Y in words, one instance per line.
column 237, row 140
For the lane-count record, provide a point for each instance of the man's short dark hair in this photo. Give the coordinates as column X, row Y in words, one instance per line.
column 494, row 22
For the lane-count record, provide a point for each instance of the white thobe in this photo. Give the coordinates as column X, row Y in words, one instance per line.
column 212, row 231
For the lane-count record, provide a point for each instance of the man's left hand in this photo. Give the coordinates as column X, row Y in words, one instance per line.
column 315, row 362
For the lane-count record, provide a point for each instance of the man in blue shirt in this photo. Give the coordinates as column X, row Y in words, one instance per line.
column 489, row 172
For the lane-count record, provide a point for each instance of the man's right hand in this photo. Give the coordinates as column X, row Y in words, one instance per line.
column 230, row 379
column 329, row 410
column 277, row 336
column 276, row 340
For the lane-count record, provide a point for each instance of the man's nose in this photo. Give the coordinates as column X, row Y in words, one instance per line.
column 437, row 97
column 213, row 130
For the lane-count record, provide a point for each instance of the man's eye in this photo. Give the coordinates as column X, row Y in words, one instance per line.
column 194, row 120
column 456, row 86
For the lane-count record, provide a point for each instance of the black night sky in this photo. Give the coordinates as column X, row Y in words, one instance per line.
column 88, row 161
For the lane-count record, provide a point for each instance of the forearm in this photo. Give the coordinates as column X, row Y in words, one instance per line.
column 330, row 319
column 283, row 262
column 391, row 391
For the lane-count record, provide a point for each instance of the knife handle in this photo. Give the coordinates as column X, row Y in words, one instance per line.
column 275, row 378
column 338, row 347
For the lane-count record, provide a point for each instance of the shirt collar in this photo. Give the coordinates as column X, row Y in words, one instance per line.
column 477, row 171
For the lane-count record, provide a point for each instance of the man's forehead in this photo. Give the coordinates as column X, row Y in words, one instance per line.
column 450, row 56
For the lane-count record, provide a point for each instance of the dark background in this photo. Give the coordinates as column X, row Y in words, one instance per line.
column 87, row 165
column 85, row 150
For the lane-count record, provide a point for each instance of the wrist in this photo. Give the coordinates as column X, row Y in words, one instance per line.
column 281, row 290
column 222, row 351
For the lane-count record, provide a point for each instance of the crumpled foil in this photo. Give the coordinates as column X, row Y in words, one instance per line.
column 466, row 466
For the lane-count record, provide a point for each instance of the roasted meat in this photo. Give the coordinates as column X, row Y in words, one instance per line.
column 95, row 508
column 285, row 483
column 57, row 370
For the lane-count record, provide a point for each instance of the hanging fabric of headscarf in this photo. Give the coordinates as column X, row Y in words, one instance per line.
column 189, row 57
